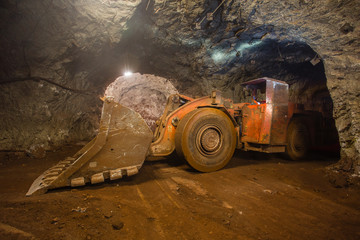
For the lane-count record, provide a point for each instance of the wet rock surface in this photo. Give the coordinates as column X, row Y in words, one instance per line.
column 58, row 57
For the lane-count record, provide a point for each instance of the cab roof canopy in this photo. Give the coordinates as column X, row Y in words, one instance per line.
column 260, row 83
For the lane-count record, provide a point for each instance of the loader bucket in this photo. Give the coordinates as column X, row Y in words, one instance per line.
column 118, row 150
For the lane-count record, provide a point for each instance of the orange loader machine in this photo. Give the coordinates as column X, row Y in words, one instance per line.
column 204, row 131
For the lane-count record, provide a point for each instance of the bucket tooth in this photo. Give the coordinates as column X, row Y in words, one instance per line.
column 50, row 174
column 50, row 179
column 65, row 162
column 57, row 169
column 77, row 182
column 97, row 178
column 132, row 171
column 115, row 174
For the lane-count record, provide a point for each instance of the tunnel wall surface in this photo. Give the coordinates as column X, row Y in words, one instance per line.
column 59, row 56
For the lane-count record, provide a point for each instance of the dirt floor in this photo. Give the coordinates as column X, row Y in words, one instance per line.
column 257, row 196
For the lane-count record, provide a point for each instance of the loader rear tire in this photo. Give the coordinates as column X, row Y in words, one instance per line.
column 206, row 138
column 298, row 140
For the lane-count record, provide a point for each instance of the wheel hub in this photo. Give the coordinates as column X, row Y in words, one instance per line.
column 209, row 140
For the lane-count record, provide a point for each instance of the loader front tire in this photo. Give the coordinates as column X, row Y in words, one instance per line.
column 206, row 138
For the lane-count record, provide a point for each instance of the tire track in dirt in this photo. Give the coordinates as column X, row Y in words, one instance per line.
column 152, row 212
column 199, row 202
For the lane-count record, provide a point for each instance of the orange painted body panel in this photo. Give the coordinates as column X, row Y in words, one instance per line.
column 260, row 125
column 164, row 144
column 256, row 126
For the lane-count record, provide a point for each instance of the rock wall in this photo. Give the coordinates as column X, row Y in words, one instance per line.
column 54, row 67
column 59, row 56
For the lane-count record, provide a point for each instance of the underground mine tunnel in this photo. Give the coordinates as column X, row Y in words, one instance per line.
column 178, row 119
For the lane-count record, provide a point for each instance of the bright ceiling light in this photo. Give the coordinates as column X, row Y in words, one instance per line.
column 127, row 73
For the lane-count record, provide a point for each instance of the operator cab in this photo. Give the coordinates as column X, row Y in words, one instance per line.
column 266, row 90
column 256, row 92
column 265, row 116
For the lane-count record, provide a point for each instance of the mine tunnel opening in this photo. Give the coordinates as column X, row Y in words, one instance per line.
column 292, row 61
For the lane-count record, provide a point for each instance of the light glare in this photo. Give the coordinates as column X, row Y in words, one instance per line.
column 127, row 73
column 221, row 56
